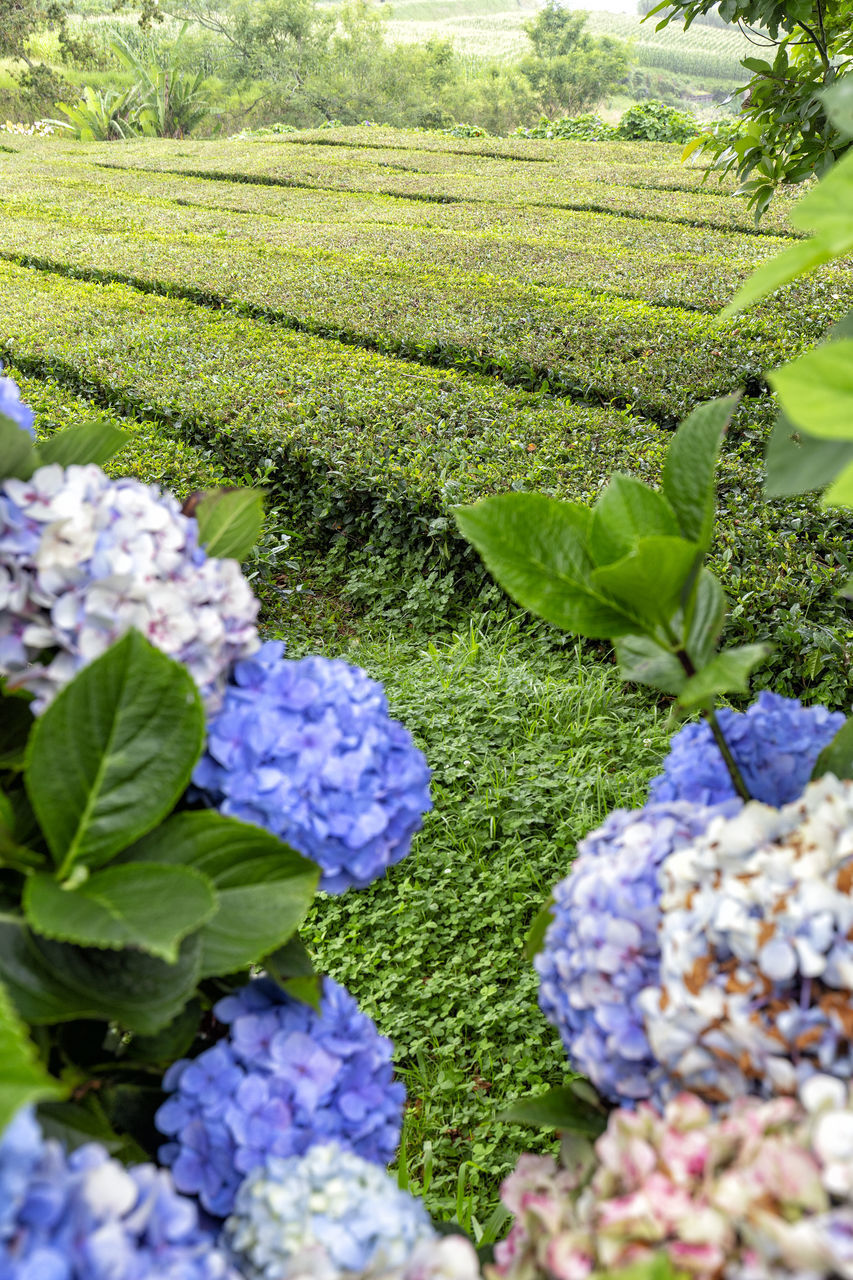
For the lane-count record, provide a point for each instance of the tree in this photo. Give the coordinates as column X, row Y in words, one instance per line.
column 786, row 135
column 569, row 69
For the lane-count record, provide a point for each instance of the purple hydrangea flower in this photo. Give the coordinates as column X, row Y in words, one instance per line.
column 285, row 1078
column 775, row 745
column 308, row 750
column 601, row 950
column 85, row 1217
column 84, row 558
column 11, row 406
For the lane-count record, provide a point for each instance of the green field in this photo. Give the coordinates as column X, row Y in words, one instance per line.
column 378, row 325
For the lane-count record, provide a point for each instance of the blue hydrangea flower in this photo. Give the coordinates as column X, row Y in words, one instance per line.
column 325, row 1214
column 308, row 750
column 285, row 1078
column 11, row 405
column 601, row 949
column 86, row 1217
column 775, row 745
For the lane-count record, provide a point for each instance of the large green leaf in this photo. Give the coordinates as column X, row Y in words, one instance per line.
column 230, row 522
column 816, row 390
column 704, row 619
column 778, row 271
column 650, row 581
column 728, row 672
column 292, row 968
column 643, row 660
column 150, row 907
column 96, row 442
column 837, row 756
column 561, row 1108
column 16, row 720
column 18, row 457
column 264, row 889
column 536, row 548
column 55, row 982
column 690, row 466
column 627, row 511
column 113, row 752
column 797, row 462
column 839, row 104
column 22, row 1077
column 840, row 492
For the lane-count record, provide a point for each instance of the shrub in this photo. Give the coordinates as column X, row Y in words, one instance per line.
column 657, row 122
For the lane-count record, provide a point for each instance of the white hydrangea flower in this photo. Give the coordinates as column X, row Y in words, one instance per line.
column 84, row 558
column 756, row 950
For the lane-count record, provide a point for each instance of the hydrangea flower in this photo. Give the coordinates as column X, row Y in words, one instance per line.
column 602, row 949
column 308, row 750
column 739, row 1196
column 756, row 972
column 327, row 1214
column 84, row 558
column 284, row 1079
column 86, row 1217
column 775, row 745
column 11, row 405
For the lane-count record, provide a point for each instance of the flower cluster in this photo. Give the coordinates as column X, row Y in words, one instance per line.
column 756, row 971
column 84, row 558
column 775, row 745
column 40, row 129
column 602, row 950
column 284, row 1079
column 85, row 1217
column 326, row 1214
column 744, row 1196
column 308, row 750
column 11, row 406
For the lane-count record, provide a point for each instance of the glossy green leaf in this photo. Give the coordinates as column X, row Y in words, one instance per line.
column 292, row 968
column 18, row 456
column 559, row 1108
column 816, row 390
column 230, row 522
column 837, row 755
column 76, row 1123
column 55, row 982
column 536, row 548
column 264, row 889
column 627, row 511
column 113, row 752
column 704, row 619
column 96, row 442
column 690, row 467
column 797, row 462
column 650, row 581
column 643, row 661
column 172, row 1041
column 146, row 906
column 728, row 672
column 23, row 1079
column 826, row 208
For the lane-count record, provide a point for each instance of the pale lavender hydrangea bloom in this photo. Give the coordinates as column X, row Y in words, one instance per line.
column 285, row 1078
column 85, row 1217
column 602, row 950
column 11, row 406
column 775, row 745
column 83, row 559
column 326, row 1215
column 756, row 972
column 308, row 750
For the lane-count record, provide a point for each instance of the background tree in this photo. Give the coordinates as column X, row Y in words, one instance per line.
column 786, row 136
column 569, row 69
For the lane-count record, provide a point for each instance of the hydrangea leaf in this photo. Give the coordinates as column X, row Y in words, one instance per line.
column 536, row 548
column 96, row 442
column 264, row 889
column 18, row 456
column 705, row 618
column 837, row 757
column 690, row 465
column 627, row 511
column 643, row 661
column 76, row 1123
column 55, row 982
column 559, row 1108
column 797, row 462
column 230, row 522
column 293, row 970
column 816, row 390
column 728, row 672
column 96, row 770
column 150, row 907
column 22, row 1077
column 16, row 721
column 651, row 580
column 535, row 939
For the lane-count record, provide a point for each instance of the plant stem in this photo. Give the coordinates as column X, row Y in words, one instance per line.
column 711, row 716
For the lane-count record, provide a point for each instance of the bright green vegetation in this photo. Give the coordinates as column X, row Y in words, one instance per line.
column 414, row 322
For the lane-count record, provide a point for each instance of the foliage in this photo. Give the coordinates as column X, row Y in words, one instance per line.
column 788, row 135
column 101, row 115
column 588, row 126
column 170, row 102
column 569, row 69
column 656, row 122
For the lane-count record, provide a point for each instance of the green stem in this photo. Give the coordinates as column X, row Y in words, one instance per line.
column 711, row 716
